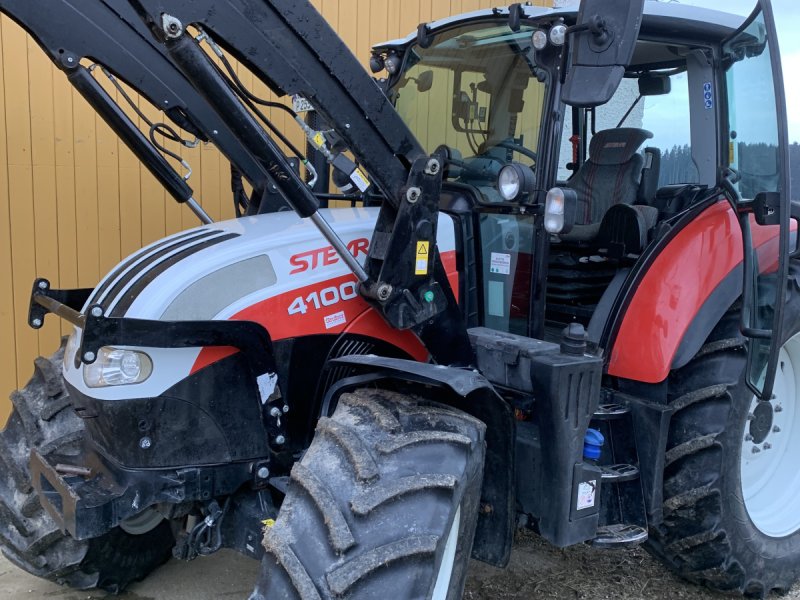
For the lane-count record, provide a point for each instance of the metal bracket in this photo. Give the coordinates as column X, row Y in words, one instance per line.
column 98, row 330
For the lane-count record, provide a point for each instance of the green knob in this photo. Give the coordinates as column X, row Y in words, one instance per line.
column 428, row 296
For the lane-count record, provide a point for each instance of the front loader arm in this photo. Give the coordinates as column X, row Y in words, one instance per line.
column 292, row 49
column 150, row 45
column 110, row 34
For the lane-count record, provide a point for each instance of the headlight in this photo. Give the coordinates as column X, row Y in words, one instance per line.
column 117, row 367
column 559, row 210
column 514, row 181
column 509, row 182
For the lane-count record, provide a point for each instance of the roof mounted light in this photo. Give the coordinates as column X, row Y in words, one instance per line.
column 393, row 62
column 558, row 34
column 376, row 63
column 539, row 39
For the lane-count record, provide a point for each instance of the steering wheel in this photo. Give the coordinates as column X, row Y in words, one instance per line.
column 514, row 147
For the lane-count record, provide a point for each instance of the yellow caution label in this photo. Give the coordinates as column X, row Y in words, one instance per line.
column 319, row 139
column 268, row 523
column 731, row 157
column 423, row 250
column 360, row 179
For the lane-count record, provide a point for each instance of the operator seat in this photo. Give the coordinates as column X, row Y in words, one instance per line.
column 611, row 175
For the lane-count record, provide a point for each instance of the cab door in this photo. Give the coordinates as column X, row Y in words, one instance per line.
column 757, row 181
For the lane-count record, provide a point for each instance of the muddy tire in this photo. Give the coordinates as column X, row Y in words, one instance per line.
column 731, row 522
column 43, row 419
column 384, row 504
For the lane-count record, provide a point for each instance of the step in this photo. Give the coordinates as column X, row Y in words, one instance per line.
column 619, row 473
column 608, row 412
column 619, row 535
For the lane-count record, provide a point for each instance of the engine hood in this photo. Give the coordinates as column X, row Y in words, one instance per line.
column 274, row 269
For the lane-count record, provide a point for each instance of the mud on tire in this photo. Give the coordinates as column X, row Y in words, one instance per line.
column 707, row 535
column 383, row 503
column 43, row 419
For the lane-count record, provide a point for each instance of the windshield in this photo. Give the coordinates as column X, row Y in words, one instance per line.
column 476, row 91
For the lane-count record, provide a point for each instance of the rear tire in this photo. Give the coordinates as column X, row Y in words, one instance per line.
column 712, row 533
column 384, row 504
column 43, row 419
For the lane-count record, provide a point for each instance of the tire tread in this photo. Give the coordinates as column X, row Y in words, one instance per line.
column 347, row 481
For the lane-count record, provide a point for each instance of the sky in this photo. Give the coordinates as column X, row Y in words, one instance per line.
column 787, row 17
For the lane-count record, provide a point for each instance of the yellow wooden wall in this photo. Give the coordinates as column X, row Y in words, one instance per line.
column 73, row 199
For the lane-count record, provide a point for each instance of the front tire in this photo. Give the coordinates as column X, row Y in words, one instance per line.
column 730, row 520
column 384, row 504
column 43, row 419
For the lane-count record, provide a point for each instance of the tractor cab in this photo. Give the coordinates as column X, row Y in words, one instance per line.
column 576, row 193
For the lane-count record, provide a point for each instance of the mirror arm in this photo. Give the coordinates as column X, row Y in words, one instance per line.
column 727, row 180
column 596, row 24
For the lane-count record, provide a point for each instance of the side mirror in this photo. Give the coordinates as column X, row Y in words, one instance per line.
column 425, row 81
column 654, row 85
column 602, row 46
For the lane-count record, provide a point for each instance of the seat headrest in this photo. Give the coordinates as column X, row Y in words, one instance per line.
column 616, row 146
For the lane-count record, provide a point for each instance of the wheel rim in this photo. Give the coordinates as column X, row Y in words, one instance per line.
column 144, row 522
column 442, row 586
column 770, row 478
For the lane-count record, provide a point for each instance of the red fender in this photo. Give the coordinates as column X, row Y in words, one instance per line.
column 675, row 287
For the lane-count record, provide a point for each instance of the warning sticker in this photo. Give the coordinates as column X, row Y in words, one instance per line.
column 501, row 263
column 319, row 139
column 335, row 320
column 708, row 95
column 586, row 493
column 360, row 179
column 423, row 249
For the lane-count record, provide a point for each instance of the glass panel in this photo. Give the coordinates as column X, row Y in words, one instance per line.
column 754, row 154
column 666, row 116
column 752, row 112
column 475, row 90
column 507, row 242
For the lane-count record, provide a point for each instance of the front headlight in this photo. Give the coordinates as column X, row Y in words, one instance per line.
column 117, row 367
column 515, row 182
column 509, row 182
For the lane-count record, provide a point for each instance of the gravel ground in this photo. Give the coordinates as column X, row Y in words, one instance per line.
column 537, row 570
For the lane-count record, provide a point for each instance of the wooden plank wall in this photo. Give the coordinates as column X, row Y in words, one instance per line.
column 73, row 199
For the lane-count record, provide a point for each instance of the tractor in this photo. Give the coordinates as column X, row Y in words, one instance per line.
column 561, row 294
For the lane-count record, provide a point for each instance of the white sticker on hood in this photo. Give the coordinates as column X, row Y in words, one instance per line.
column 335, row 320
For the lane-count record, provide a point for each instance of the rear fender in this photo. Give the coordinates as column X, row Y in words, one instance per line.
column 469, row 391
column 671, row 307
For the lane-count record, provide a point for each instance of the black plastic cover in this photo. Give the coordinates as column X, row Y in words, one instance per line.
column 567, row 392
column 506, row 359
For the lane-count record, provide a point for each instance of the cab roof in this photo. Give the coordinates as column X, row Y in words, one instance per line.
column 660, row 19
